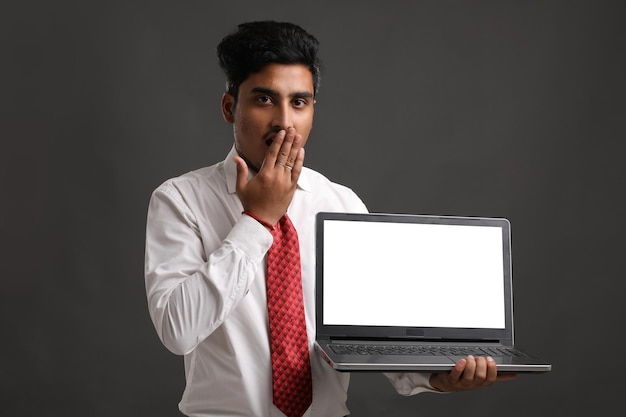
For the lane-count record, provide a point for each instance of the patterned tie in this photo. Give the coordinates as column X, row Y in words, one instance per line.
column 291, row 364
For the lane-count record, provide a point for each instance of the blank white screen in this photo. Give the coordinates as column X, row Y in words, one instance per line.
column 422, row 275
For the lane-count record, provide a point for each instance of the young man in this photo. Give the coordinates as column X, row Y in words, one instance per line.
column 209, row 231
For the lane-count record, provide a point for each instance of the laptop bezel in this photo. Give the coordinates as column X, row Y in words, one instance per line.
column 503, row 336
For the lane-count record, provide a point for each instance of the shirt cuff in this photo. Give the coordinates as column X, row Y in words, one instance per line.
column 411, row 383
column 251, row 237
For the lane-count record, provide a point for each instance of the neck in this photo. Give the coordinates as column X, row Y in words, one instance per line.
column 247, row 161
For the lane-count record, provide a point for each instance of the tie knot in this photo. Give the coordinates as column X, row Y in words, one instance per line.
column 285, row 221
column 283, row 227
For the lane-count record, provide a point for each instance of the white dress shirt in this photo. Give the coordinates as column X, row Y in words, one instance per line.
column 205, row 285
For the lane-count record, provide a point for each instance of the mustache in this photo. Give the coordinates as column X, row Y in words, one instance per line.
column 269, row 136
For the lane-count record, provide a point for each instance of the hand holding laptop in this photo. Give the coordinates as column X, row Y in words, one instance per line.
column 469, row 373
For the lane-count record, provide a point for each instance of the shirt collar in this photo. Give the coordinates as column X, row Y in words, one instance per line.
column 230, row 169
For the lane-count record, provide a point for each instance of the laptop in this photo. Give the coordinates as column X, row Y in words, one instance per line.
column 400, row 292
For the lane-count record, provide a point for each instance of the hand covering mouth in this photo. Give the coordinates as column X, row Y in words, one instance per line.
column 270, row 137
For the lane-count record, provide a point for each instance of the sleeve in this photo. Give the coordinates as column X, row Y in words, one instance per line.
column 411, row 383
column 188, row 295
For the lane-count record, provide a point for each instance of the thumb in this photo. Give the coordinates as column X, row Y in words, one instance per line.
column 242, row 172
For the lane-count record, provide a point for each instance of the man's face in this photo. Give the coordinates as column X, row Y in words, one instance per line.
column 276, row 98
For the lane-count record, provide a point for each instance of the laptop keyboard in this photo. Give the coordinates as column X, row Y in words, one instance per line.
column 367, row 349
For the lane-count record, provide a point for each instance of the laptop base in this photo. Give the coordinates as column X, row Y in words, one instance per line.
column 422, row 363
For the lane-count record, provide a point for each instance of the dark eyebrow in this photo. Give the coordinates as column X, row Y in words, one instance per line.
column 274, row 93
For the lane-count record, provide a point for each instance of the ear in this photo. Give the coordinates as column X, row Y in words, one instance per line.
column 228, row 107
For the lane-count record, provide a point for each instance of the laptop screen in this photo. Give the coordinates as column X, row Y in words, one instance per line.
column 413, row 271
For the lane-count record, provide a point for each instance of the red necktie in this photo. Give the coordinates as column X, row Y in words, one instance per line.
column 291, row 363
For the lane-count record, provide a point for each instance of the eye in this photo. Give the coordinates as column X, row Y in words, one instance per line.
column 264, row 99
column 300, row 102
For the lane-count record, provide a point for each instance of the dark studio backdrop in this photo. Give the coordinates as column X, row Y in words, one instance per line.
column 488, row 108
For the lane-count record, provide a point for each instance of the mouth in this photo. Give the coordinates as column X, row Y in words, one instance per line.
column 269, row 137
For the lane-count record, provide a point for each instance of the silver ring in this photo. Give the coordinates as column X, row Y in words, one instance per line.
column 284, row 165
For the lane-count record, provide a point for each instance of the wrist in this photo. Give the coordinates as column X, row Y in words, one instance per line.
column 265, row 223
column 431, row 379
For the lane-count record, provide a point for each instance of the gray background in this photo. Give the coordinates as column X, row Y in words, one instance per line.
column 489, row 108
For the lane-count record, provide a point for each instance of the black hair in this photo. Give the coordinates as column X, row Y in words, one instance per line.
column 255, row 45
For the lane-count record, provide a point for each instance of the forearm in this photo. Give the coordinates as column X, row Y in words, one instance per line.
column 189, row 292
column 193, row 306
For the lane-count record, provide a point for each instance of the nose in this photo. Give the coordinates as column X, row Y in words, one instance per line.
column 282, row 117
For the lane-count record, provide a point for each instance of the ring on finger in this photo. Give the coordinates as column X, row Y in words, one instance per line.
column 284, row 165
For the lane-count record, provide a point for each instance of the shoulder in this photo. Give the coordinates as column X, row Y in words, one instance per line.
column 198, row 178
column 193, row 185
